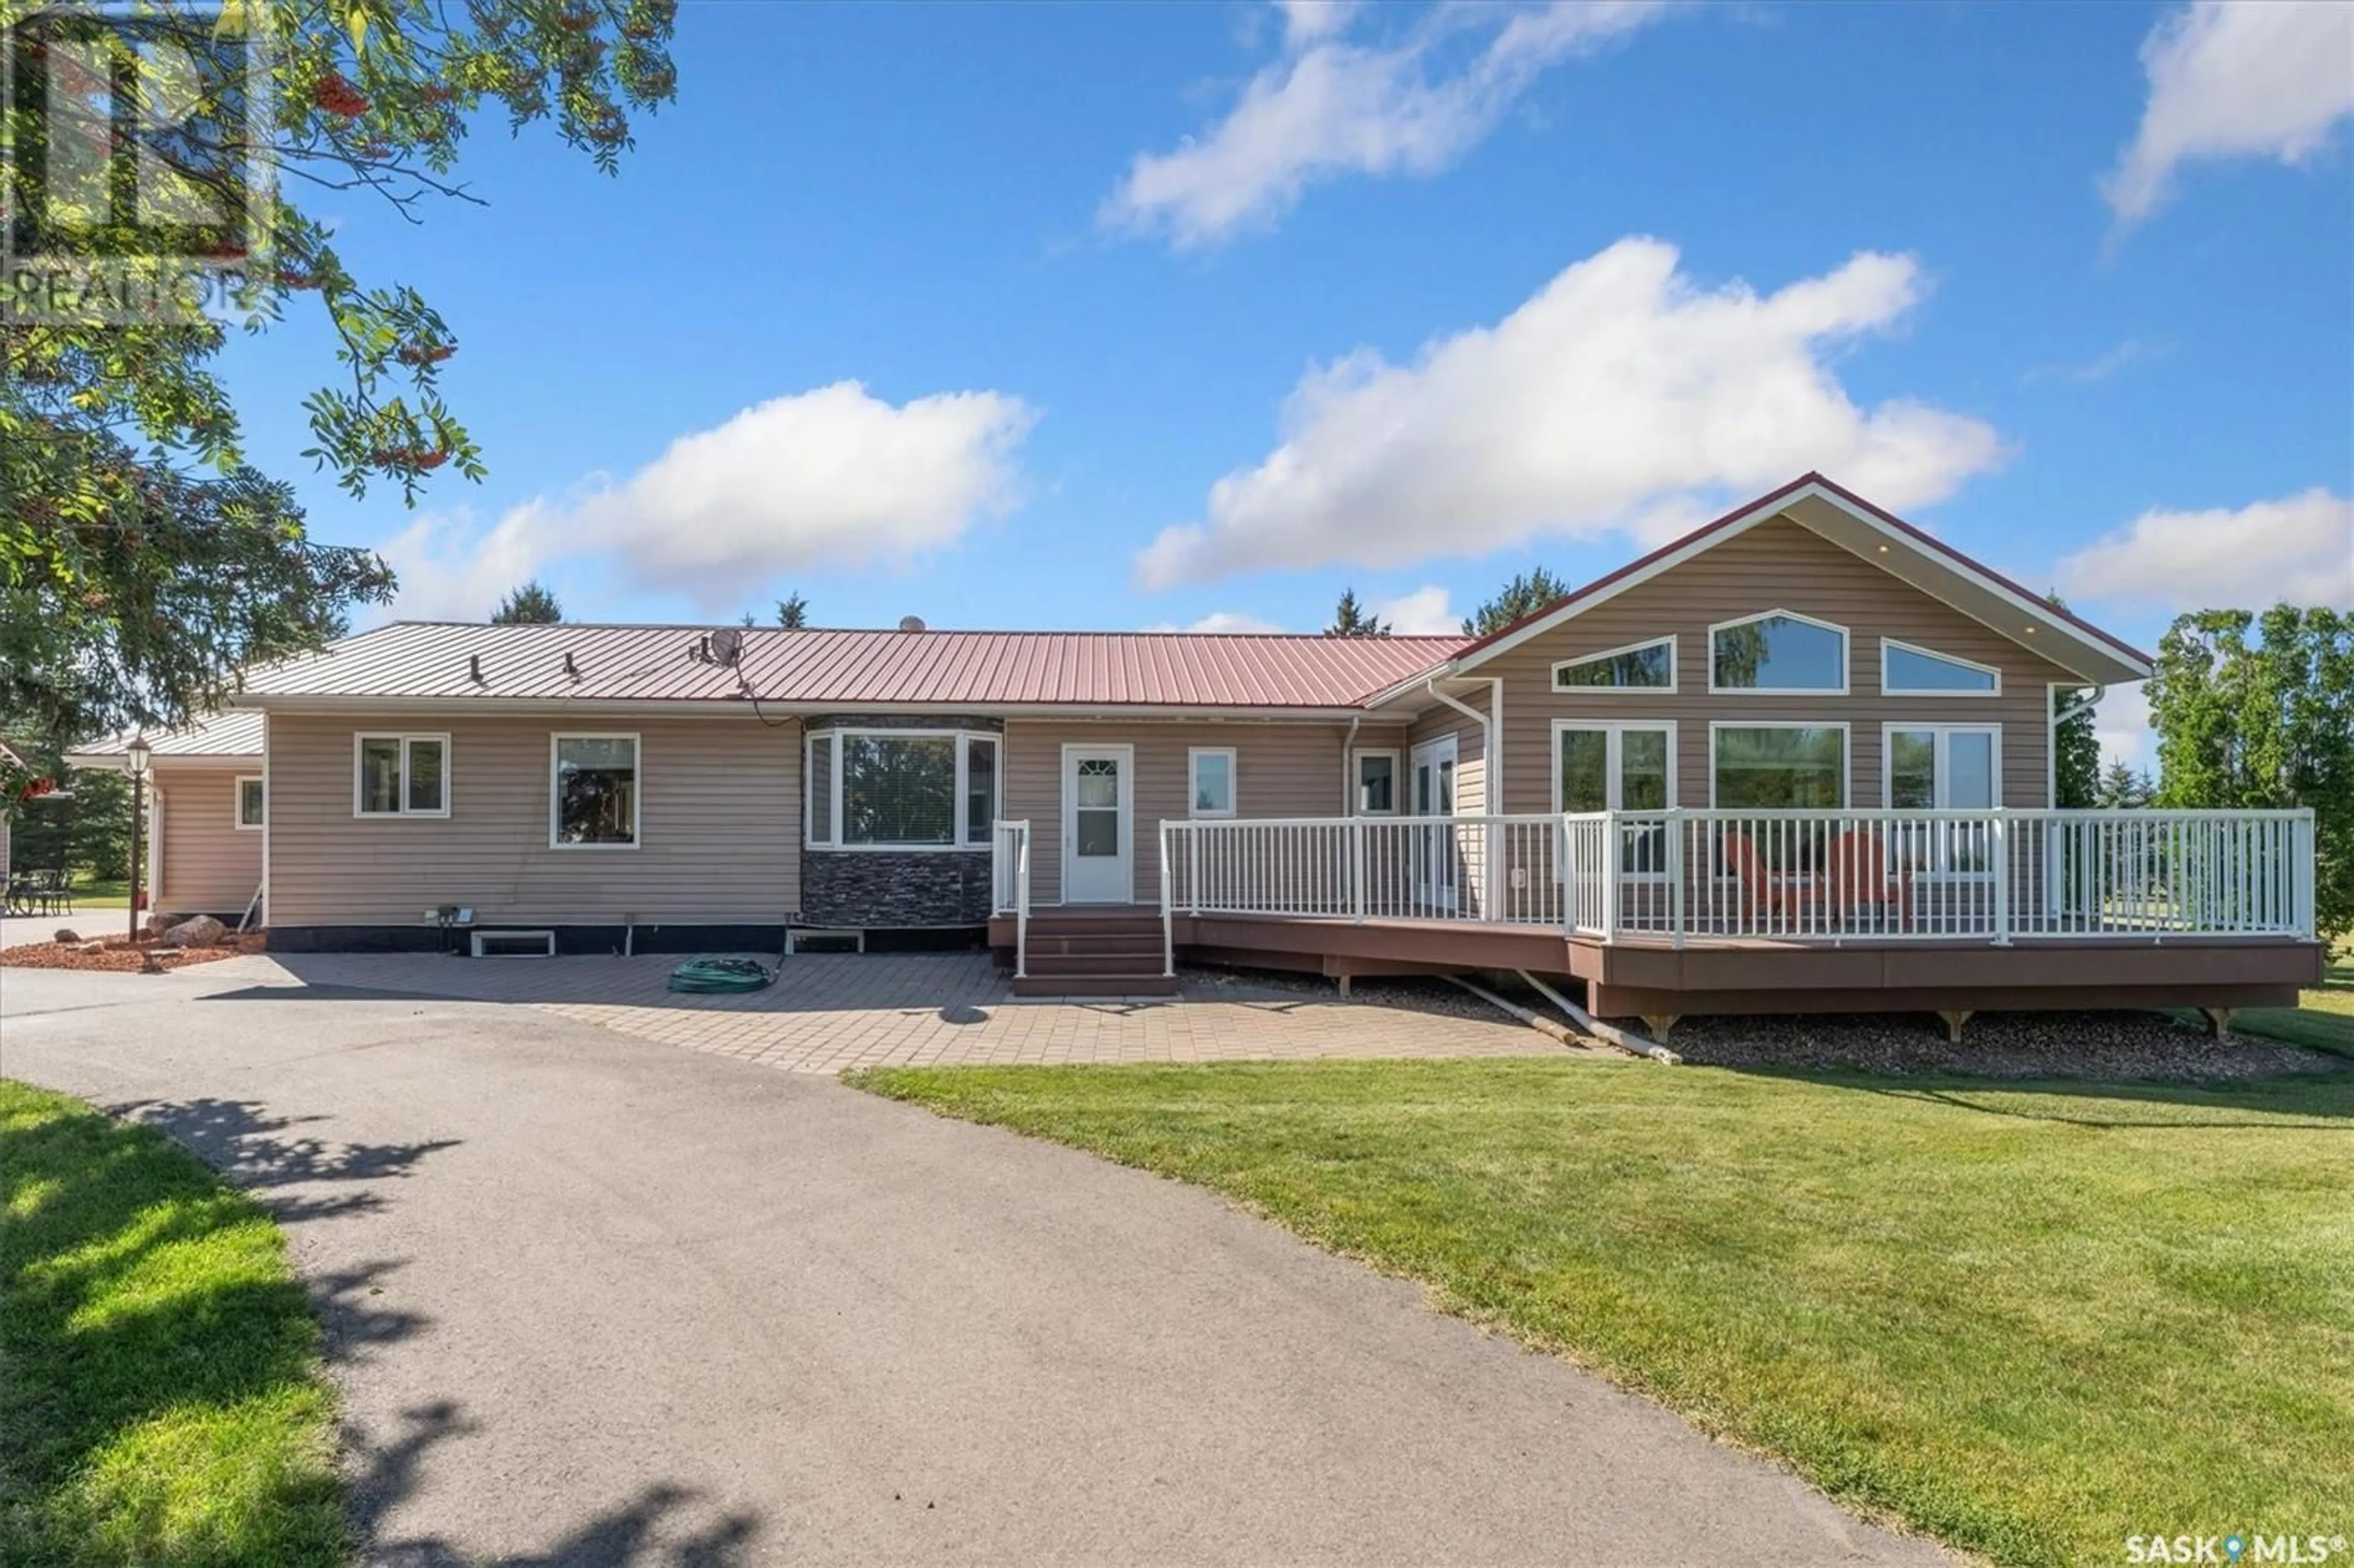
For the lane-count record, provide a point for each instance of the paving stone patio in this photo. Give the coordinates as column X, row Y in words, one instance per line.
column 831, row 1011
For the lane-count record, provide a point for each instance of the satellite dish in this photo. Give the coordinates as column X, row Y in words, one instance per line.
column 727, row 643
column 911, row 623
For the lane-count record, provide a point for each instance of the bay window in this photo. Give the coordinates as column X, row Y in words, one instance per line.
column 902, row 788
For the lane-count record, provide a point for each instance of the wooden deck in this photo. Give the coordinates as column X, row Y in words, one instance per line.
column 1651, row 976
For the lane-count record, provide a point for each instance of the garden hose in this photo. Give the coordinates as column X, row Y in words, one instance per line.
column 702, row 976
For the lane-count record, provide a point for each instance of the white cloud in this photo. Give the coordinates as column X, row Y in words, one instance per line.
column 831, row 477
column 1333, row 105
column 2101, row 367
column 1231, row 623
column 1622, row 396
column 2299, row 548
column 1304, row 21
column 2236, row 81
column 450, row 568
column 2121, row 721
column 1425, row 612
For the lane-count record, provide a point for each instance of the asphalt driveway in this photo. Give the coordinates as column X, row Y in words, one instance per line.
column 596, row 1301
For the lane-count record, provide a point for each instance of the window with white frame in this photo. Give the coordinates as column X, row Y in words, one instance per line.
column 903, row 788
column 1638, row 667
column 1376, row 780
column 400, row 775
column 1778, row 768
column 1210, row 789
column 1942, row 767
column 1620, row 768
column 592, row 791
column 1906, row 671
column 250, row 804
column 1779, row 651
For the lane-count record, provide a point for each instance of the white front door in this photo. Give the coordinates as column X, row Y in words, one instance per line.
column 1099, row 824
column 1435, row 846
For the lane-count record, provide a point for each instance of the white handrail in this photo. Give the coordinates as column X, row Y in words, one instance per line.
column 1805, row 875
column 1010, row 885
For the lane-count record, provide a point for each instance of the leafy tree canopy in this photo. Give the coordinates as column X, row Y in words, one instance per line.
column 1351, row 618
column 1523, row 596
column 140, row 559
column 2266, row 721
column 529, row 603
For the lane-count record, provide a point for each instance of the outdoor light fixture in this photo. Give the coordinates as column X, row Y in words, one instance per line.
column 136, row 752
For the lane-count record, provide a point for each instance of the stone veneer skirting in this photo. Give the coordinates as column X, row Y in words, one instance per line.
column 892, row 887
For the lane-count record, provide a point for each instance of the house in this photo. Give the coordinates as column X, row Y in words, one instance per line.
column 204, row 830
column 1798, row 759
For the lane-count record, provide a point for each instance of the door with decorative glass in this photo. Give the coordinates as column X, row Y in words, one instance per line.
column 1099, row 831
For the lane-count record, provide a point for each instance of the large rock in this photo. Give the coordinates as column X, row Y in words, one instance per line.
column 157, row 923
column 65, row 934
column 201, row 932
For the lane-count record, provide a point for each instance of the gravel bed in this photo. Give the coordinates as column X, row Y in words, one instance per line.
column 2108, row 1046
column 121, row 957
column 1405, row 994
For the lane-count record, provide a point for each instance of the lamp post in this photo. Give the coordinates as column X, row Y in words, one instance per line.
column 137, row 753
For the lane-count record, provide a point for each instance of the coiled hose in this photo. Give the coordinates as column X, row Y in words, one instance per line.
column 716, row 976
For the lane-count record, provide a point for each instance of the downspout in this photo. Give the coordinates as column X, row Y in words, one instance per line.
column 2083, row 703
column 1348, row 784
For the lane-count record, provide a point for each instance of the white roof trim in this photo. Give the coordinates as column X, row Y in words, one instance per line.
column 1765, row 511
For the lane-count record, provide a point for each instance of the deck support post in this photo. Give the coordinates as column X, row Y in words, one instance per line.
column 1955, row 1018
column 1659, row 1025
column 2219, row 1019
column 1344, row 986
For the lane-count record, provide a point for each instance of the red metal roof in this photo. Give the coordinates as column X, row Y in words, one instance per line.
column 464, row 661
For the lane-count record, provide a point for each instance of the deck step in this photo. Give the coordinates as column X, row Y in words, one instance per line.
column 1095, row 963
column 1095, row 985
column 1147, row 943
column 1140, row 929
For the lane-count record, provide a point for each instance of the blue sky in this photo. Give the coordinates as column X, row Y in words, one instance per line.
column 1136, row 316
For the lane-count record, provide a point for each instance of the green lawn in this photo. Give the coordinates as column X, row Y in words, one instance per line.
column 2326, row 1019
column 161, row 1397
column 2032, row 1319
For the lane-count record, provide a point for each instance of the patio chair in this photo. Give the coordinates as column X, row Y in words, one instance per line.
column 1862, row 877
column 1762, row 892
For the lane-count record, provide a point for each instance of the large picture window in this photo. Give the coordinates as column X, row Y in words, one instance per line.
column 1778, row 768
column 1777, row 652
column 1641, row 667
column 593, row 790
column 400, row 775
column 916, row 789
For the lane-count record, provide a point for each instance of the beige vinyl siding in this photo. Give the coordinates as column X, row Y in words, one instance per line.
column 1774, row 565
column 1470, row 751
column 209, row 864
column 719, row 826
column 1280, row 770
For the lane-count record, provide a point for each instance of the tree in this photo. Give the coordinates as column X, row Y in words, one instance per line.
column 2075, row 744
column 1351, row 620
column 85, row 827
column 2267, row 724
column 1523, row 596
column 2120, row 789
column 527, row 605
column 106, row 423
column 792, row 613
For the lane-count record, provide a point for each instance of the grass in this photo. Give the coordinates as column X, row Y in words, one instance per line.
column 2325, row 1019
column 101, row 893
column 161, row 1396
column 2030, row 1319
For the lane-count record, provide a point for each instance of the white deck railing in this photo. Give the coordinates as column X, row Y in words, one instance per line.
column 1831, row 876
column 1010, row 885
